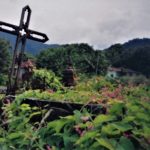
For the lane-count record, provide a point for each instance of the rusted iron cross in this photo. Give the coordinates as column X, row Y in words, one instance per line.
column 23, row 33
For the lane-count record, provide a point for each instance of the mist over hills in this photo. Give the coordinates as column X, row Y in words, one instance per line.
column 32, row 47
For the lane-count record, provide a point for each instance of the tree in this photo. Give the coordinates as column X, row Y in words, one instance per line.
column 114, row 53
column 134, row 55
column 4, row 56
column 83, row 57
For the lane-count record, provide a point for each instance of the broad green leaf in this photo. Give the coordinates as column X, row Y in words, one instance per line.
column 128, row 119
column 122, row 126
column 110, row 130
column 102, row 118
column 15, row 135
column 57, row 125
column 105, row 143
column 138, row 132
column 116, row 108
column 142, row 116
column 134, row 108
column 69, row 118
column 126, row 144
column 2, row 140
column 87, row 136
column 77, row 115
column 146, row 132
column 25, row 107
column 69, row 140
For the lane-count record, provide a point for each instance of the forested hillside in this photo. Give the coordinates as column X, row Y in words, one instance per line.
column 134, row 54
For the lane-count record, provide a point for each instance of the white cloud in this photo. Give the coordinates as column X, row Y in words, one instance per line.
column 97, row 22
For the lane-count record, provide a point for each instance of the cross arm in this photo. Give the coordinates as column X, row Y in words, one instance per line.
column 37, row 36
column 15, row 30
column 9, row 28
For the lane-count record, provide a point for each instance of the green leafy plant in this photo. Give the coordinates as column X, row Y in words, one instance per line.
column 125, row 124
column 44, row 79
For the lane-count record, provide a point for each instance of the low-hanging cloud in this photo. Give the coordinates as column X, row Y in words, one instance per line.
column 97, row 22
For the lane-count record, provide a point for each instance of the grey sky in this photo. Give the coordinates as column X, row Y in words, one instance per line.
column 97, row 22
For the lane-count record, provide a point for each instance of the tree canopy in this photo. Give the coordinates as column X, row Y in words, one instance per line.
column 134, row 57
column 83, row 57
column 4, row 56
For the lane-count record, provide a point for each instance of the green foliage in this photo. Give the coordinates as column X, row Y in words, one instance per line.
column 134, row 57
column 3, row 79
column 135, row 80
column 124, row 126
column 114, row 53
column 4, row 56
column 29, row 56
column 96, row 83
column 1, row 96
column 84, row 59
column 85, row 91
column 71, row 95
column 44, row 79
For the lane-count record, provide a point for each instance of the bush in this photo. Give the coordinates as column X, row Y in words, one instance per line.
column 135, row 80
column 124, row 125
column 44, row 79
column 94, row 84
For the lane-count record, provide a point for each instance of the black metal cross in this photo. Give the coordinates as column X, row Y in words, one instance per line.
column 23, row 33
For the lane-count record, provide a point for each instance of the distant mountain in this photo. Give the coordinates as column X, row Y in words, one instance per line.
column 137, row 43
column 134, row 54
column 32, row 47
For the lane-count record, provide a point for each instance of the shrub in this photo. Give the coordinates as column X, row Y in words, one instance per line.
column 44, row 79
column 135, row 80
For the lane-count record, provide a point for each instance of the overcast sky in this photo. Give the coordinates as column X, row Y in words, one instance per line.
column 97, row 22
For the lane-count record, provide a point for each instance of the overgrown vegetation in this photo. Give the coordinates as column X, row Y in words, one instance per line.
column 124, row 125
column 44, row 79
